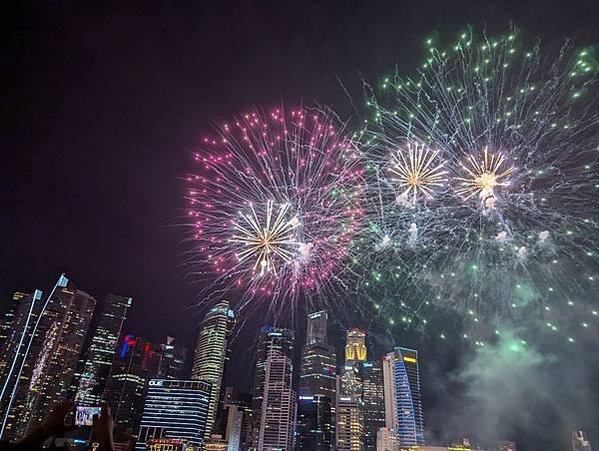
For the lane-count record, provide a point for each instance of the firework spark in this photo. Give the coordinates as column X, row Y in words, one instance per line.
column 417, row 172
column 274, row 206
column 498, row 260
column 484, row 177
column 266, row 239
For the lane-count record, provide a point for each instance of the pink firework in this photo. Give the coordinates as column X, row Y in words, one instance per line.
column 275, row 204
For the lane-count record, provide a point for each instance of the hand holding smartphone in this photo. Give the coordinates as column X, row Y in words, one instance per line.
column 84, row 416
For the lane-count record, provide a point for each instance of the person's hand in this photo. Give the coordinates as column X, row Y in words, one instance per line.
column 103, row 427
column 54, row 424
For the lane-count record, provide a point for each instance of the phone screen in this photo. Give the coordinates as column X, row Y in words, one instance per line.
column 84, row 416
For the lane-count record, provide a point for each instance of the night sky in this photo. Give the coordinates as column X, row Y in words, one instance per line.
column 103, row 102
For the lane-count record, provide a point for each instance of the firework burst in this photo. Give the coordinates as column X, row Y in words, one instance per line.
column 535, row 122
column 274, row 206
column 417, row 172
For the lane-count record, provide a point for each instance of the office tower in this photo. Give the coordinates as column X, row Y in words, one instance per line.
column 174, row 409
column 234, row 419
column 100, row 354
column 349, row 430
column 318, row 367
column 313, row 425
column 580, row 441
column 373, row 401
column 403, row 405
column 171, row 362
column 386, row 439
column 355, row 346
column 212, row 353
column 317, row 383
column 17, row 326
column 56, row 345
column 506, row 446
column 275, row 352
column 277, row 416
column 133, row 365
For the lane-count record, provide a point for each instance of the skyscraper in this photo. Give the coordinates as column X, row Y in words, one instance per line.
column 373, row 400
column 313, row 425
column 135, row 362
column 316, row 386
column 355, row 346
column 403, row 405
column 349, row 391
column 171, row 360
column 318, row 366
column 505, row 445
column 212, row 353
column 56, row 346
column 273, row 362
column 277, row 416
column 100, row 355
column 174, row 409
column 17, row 326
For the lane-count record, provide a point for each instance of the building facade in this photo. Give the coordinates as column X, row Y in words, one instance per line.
column 212, row 353
column 277, row 416
column 134, row 364
column 278, row 343
column 100, row 354
column 49, row 366
column 175, row 410
column 171, row 362
column 313, row 424
column 373, row 401
column 403, row 404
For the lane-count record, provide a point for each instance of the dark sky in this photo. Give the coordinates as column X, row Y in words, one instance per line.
column 102, row 103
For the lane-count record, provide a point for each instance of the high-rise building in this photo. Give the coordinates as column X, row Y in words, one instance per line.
column 54, row 350
column 318, row 366
column 134, row 364
column 273, row 343
column 349, row 430
column 386, row 440
column 355, row 346
column 212, row 354
column 403, row 405
column 313, row 425
column 317, row 384
column 580, row 441
column 17, row 326
column 174, row 409
column 373, row 401
column 100, row 354
column 349, row 393
column 234, row 420
column 277, row 416
column 171, row 363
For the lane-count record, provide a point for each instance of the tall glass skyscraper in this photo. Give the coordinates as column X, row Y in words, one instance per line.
column 172, row 360
column 212, row 353
column 272, row 379
column 135, row 362
column 403, row 404
column 373, row 401
column 100, row 354
column 316, row 386
column 55, row 349
column 174, row 409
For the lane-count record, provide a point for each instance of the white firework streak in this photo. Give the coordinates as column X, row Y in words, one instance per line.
column 484, row 176
column 265, row 238
column 416, row 171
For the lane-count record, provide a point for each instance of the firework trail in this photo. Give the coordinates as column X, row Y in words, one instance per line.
column 274, row 205
column 483, row 187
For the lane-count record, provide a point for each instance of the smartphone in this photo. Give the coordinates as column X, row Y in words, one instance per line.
column 84, row 416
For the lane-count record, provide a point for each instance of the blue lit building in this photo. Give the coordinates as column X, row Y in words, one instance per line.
column 403, row 404
column 174, row 409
